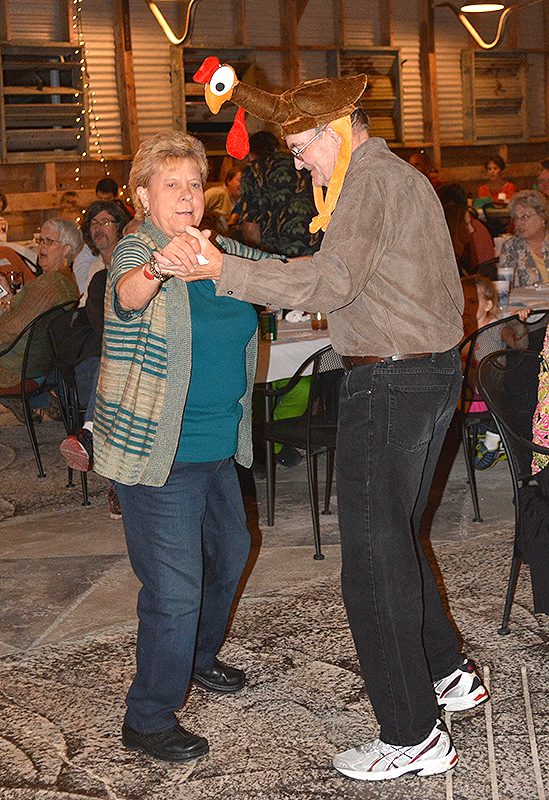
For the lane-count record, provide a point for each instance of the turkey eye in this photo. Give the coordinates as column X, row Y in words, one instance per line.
column 222, row 80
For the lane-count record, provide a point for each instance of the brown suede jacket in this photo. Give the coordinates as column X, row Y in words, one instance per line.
column 385, row 274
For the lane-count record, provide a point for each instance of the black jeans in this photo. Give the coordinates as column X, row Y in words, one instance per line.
column 392, row 421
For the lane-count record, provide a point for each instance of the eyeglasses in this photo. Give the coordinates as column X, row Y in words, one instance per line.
column 523, row 217
column 297, row 153
column 46, row 240
column 101, row 223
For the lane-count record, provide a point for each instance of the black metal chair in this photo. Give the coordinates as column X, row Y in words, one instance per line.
column 73, row 411
column 314, row 432
column 508, row 383
column 496, row 220
column 479, row 344
column 37, row 368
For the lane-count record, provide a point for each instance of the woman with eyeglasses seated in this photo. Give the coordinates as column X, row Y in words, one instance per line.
column 58, row 243
column 527, row 251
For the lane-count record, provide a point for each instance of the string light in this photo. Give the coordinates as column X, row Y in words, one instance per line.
column 91, row 109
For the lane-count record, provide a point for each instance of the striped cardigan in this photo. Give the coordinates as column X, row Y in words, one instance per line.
column 145, row 371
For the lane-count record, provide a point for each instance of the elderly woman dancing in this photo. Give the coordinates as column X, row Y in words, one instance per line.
column 173, row 413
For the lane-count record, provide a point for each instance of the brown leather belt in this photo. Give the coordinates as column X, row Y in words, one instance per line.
column 360, row 361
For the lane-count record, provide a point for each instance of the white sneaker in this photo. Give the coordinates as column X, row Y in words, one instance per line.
column 461, row 690
column 378, row 761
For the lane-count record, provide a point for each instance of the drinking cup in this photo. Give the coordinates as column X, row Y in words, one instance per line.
column 502, row 288
column 16, row 280
column 506, row 274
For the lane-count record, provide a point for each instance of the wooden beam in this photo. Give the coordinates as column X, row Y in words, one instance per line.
column 288, row 26
column 301, row 5
column 429, row 91
column 36, row 201
column 240, row 23
column 125, row 75
column 5, row 21
column 50, row 176
column 65, row 13
column 340, row 22
column 546, row 45
column 177, row 74
column 386, row 23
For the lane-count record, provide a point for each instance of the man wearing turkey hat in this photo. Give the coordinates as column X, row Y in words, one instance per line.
column 386, row 277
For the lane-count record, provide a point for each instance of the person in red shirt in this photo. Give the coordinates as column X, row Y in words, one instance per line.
column 500, row 190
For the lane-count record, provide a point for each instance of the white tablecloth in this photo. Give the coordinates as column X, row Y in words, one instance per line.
column 295, row 343
column 536, row 297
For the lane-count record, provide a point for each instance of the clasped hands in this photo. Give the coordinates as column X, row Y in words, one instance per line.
column 180, row 256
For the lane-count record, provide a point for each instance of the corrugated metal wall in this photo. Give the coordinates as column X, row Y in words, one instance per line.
column 450, row 38
column 360, row 28
column 214, row 27
column 35, row 20
column 406, row 36
column 99, row 45
column 151, row 63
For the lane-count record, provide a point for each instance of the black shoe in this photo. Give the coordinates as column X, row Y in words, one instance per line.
column 220, row 678
column 173, row 744
column 259, row 470
column 288, row 456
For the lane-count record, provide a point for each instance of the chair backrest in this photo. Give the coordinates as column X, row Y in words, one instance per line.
column 488, row 268
column 497, row 220
column 478, row 344
column 508, row 383
column 328, row 371
column 536, row 325
column 37, row 360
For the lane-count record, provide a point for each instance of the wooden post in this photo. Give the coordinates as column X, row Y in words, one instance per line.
column 429, row 92
column 67, row 32
column 288, row 25
column 240, row 23
column 386, row 23
column 177, row 74
column 546, row 45
column 5, row 22
column 126, row 79
column 50, row 176
column 340, row 23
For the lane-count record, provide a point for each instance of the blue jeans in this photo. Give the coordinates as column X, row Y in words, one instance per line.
column 393, row 418
column 87, row 374
column 188, row 544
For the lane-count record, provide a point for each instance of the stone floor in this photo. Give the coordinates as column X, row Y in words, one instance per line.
column 67, row 634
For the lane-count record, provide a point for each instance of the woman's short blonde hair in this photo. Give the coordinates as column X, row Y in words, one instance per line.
column 159, row 150
column 530, row 199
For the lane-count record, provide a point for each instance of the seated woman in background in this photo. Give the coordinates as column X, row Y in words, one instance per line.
column 500, row 190
column 481, row 309
column 58, row 244
column 482, row 244
column 527, row 251
column 459, row 224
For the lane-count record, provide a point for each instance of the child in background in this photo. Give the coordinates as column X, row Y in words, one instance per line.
column 481, row 308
